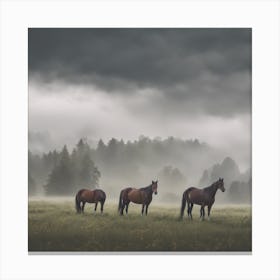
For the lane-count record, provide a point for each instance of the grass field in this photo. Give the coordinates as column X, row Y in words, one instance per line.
column 55, row 226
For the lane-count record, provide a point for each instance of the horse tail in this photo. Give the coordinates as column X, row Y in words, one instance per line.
column 77, row 200
column 120, row 201
column 183, row 206
column 123, row 197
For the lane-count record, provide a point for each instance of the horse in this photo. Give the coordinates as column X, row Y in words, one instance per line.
column 203, row 197
column 90, row 196
column 139, row 196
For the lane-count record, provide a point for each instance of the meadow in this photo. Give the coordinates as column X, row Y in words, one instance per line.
column 54, row 226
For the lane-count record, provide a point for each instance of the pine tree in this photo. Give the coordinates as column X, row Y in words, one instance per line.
column 85, row 172
column 82, row 148
column 60, row 181
column 204, row 180
column 31, row 185
column 89, row 174
column 101, row 147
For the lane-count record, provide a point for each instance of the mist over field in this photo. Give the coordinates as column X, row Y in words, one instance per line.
column 175, row 163
column 113, row 108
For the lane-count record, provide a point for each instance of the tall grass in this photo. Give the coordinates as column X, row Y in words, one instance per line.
column 55, row 226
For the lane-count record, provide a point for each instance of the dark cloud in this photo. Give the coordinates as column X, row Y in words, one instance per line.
column 147, row 57
column 186, row 83
column 198, row 69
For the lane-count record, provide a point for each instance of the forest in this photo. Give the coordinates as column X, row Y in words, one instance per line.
column 176, row 163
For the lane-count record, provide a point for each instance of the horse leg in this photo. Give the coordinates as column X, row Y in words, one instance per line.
column 122, row 208
column 95, row 206
column 147, row 209
column 209, row 209
column 143, row 205
column 83, row 206
column 203, row 212
column 191, row 210
column 102, row 204
column 126, row 208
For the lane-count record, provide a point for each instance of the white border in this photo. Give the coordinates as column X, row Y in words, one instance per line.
column 17, row 16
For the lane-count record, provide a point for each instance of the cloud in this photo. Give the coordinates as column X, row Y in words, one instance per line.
column 147, row 57
column 185, row 65
column 72, row 112
column 184, row 82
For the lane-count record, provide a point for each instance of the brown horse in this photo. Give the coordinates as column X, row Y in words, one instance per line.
column 140, row 196
column 203, row 197
column 90, row 196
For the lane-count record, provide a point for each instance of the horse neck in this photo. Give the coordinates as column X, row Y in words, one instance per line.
column 213, row 189
column 149, row 190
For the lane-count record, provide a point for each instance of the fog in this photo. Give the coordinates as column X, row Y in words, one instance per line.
column 123, row 83
column 101, row 116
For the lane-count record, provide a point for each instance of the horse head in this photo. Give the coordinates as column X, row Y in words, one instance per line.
column 154, row 186
column 220, row 184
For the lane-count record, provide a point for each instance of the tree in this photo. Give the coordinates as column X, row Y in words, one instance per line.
column 50, row 159
column 100, row 152
column 240, row 192
column 250, row 189
column 112, row 147
column 86, row 173
column 82, row 147
column 89, row 174
column 101, row 147
column 31, row 185
column 60, row 181
column 171, row 177
column 204, row 180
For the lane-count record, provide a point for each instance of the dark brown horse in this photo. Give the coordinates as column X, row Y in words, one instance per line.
column 203, row 197
column 90, row 196
column 140, row 196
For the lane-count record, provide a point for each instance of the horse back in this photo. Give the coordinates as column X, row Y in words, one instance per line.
column 86, row 195
column 124, row 192
column 193, row 195
column 99, row 194
column 197, row 196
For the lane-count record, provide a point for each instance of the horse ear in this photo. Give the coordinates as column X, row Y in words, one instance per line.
column 152, row 182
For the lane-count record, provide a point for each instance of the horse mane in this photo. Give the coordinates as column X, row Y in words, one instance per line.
column 146, row 188
column 210, row 187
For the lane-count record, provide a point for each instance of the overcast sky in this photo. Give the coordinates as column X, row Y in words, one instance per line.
column 122, row 83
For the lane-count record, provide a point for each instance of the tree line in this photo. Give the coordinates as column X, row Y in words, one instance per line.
column 134, row 163
column 62, row 172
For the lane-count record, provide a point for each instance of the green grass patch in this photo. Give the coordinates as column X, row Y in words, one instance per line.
column 55, row 226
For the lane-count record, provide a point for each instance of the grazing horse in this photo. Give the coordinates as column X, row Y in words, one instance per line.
column 140, row 196
column 203, row 197
column 90, row 196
